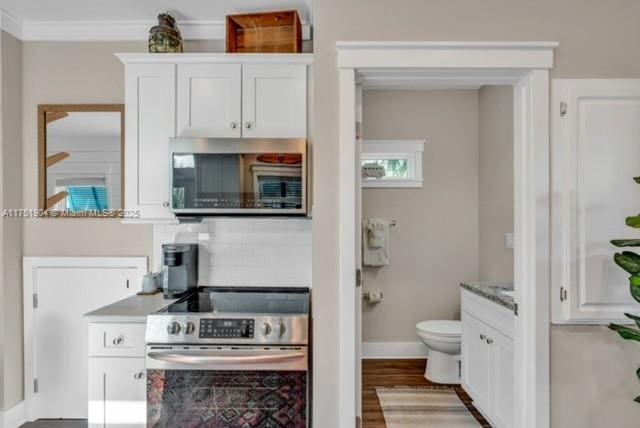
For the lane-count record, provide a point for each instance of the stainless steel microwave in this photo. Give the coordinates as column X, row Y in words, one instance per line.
column 214, row 176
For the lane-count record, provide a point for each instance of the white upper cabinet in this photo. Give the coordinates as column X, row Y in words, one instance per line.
column 595, row 155
column 274, row 101
column 150, row 121
column 209, row 99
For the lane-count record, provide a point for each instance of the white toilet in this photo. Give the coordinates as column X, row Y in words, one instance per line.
column 443, row 340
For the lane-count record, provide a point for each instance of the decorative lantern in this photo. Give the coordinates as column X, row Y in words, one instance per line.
column 165, row 37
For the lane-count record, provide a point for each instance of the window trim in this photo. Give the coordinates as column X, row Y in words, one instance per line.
column 411, row 150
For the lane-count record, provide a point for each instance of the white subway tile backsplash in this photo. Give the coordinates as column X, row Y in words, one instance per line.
column 260, row 252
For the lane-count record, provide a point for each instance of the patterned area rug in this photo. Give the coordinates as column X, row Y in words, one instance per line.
column 424, row 407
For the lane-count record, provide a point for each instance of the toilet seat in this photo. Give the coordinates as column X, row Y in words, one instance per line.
column 442, row 328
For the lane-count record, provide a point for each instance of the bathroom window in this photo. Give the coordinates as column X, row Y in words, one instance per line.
column 392, row 163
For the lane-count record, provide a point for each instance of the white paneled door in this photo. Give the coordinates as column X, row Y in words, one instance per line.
column 58, row 292
column 209, row 97
column 274, row 101
column 595, row 155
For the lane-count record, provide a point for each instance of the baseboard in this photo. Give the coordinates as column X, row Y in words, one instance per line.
column 399, row 350
column 14, row 417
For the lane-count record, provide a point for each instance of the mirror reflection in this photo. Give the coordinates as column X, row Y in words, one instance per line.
column 81, row 159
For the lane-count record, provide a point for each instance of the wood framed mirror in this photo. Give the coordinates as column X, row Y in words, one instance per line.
column 81, row 160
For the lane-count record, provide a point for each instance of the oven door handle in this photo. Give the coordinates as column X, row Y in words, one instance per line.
column 187, row 357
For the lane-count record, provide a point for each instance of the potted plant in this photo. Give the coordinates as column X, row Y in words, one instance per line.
column 630, row 262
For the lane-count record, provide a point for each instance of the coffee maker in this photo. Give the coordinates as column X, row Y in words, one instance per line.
column 179, row 269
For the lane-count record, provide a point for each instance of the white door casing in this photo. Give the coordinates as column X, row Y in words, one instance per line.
column 55, row 334
column 209, row 100
column 595, row 152
column 524, row 65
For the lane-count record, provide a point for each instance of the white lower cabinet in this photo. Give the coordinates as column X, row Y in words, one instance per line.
column 117, row 389
column 487, row 358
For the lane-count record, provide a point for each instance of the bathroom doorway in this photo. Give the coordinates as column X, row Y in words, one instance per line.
column 437, row 211
column 525, row 67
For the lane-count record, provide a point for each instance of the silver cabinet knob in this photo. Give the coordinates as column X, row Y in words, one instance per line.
column 483, row 337
column 489, row 341
column 234, row 125
column 265, row 329
column 165, row 204
column 138, row 375
column 248, row 125
column 118, row 340
column 189, row 328
column 173, row 328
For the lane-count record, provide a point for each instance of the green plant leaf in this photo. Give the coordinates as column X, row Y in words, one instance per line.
column 626, row 242
column 628, row 261
column 634, row 318
column 634, row 287
column 633, row 221
column 638, row 373
column 626, row 333
column 636, row 179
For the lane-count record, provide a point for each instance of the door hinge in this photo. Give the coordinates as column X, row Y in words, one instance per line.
column 35, row 386
column 35, row 300
column 127, row 283
column 358, row 130
column 515, row 309
column 563, row 109
column 358, row 278
column 358, row 422
column 563, row 294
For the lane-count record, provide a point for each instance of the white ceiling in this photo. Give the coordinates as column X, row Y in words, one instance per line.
column 86, row 124
column 144, row 10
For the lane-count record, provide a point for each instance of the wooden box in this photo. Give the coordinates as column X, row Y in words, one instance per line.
column 270, row 32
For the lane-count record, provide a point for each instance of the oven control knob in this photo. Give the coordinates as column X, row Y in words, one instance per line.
column 280, row 329
column 265, row 329
column 189, row 328
column 173, row 328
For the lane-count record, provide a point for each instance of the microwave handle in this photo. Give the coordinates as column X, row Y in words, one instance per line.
column 186, row 357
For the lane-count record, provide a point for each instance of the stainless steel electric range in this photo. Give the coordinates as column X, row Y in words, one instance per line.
column 230, row 357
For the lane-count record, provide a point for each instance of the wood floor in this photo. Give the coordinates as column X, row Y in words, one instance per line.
column 397, row 373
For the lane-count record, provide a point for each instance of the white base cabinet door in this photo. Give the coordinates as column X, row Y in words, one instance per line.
column 502, row 376
column 150, row 99
column 274, row 101
column 475, row 361
column 209, row 97
column 117, row 392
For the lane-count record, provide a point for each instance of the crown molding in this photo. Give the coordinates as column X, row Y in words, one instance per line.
column 94, row 31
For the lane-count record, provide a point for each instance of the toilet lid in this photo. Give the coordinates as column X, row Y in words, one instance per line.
column 441, row 327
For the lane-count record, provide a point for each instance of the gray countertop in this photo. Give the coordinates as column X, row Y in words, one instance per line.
column 492, row 290
column 132, row 309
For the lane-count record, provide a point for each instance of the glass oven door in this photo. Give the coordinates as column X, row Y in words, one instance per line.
column 230, row 176
column 227, row 387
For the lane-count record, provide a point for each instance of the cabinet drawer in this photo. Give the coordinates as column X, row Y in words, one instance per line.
column 116, row 340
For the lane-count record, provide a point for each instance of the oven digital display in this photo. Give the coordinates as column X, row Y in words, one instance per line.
column 226, row 328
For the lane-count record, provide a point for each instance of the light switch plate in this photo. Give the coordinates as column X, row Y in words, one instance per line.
column 509, row 241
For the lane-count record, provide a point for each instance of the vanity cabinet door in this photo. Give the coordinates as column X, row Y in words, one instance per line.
column 476, row 361
column 209, row 97
column 274, row 101
column 117, row 393
column 150, row 98
column 502, row 380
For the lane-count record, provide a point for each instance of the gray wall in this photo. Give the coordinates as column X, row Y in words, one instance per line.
column 434, row 245
column 592, row 371
column 11, row 197
column 495, row 182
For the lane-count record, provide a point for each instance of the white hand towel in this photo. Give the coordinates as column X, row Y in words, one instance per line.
column 375, row 244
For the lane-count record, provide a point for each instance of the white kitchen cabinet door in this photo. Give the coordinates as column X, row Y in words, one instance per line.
column 209, row 98
column 502, row 380
column 274, row 101
column 595, row 155
column 63, row 289
column 475, row 361
column 117, row 392
column 150, row 98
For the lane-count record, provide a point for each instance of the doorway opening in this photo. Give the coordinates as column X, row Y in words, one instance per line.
column 524, row 66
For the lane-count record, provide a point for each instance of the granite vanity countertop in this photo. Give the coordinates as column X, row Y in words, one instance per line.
column 132, row 309
column 492, row 290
